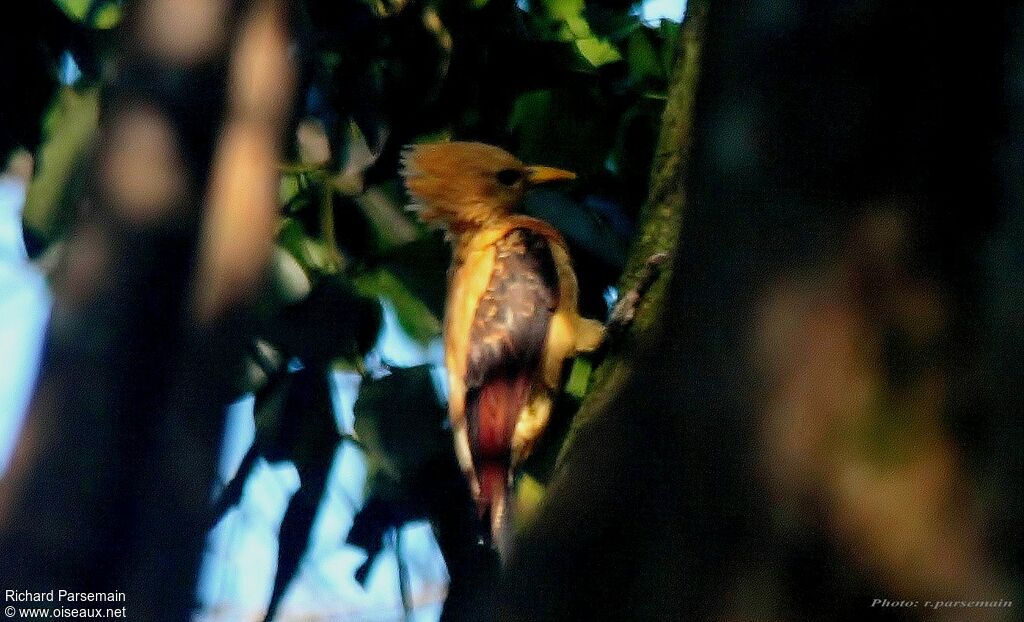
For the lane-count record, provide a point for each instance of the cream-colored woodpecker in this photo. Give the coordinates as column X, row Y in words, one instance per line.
column 511, row 319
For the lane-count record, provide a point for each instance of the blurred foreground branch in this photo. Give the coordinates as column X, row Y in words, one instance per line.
column 115, row 466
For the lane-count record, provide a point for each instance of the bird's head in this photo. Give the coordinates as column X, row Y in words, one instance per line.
column 463, row 185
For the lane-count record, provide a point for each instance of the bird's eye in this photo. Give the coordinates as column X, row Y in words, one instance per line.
column 510, row 176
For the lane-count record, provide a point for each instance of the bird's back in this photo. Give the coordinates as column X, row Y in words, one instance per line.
column 506, row 324
column 507, row 338
column 470, row 281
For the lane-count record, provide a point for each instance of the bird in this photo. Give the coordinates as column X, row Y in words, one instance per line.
column 511, row 317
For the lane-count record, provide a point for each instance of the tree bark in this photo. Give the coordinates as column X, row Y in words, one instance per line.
column 660, row 222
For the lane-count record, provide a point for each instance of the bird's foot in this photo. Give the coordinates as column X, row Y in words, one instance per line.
column 624, row 311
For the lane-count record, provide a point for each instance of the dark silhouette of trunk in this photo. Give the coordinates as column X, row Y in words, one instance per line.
column 110, row 486
column 755, row 446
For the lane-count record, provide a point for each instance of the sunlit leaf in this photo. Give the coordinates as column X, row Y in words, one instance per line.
column 569, row 25
column 103, row 16
column 569, row 12
column 529, row 494
column 579, row 378
column 597, row 51
column 74, row 8
column 289, row 188
column 108, row 16
column 310, row 253
column 69, row 129
column 289, row 280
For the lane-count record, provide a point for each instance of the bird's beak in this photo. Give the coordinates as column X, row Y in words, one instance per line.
column 544, row 174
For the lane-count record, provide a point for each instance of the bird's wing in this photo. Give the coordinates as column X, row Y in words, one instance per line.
column 507, row 340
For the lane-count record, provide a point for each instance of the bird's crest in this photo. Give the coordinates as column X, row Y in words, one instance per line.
column 463, row 185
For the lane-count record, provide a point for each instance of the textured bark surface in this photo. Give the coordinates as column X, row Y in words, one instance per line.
column 661, row 219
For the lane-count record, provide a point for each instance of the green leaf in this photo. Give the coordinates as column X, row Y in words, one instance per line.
column 289, row 189
column 529, row 494
column 383, row 205
column 421, row 266
column 598, row 52
column 579, row 378
column 414, row 316
column 74, row 8
column 398, row 420
column 569, row 12
column 310, row 253
column 289, row 281
column 668, row 31
column 569, row 24
column 70, row 128
column 609, row 23
column 106, row 15
column 565, row 127
column 645, row 65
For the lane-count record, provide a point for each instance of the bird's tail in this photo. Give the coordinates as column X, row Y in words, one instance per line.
column 493, row 503
column 499, row 404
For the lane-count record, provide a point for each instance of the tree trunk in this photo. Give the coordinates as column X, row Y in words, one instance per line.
column 783, row 434
column 659, row 224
